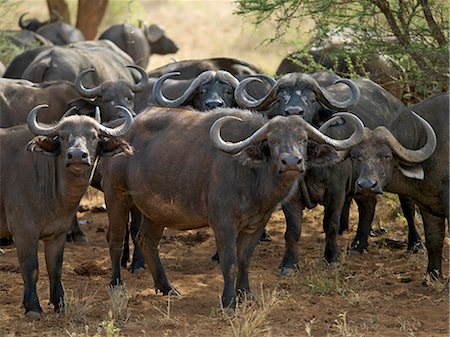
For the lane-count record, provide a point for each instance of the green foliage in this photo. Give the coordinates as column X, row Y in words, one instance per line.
column 412, row 35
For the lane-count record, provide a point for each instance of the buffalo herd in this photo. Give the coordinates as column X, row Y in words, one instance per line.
column 210, row 142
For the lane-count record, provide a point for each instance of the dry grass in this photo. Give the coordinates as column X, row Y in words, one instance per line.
column 164, row 316
column 79, row 304
column 343, row 329
column 250, row 318
column 119, row 297
column 410, row 326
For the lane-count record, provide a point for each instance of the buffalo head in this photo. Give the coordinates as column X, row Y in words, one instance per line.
column 110, row 94
column 289, row 144
column 158, row 41
column 78, row 139
column 209, row 90
column 379, row 154
column 296, row 94
column 30, row 24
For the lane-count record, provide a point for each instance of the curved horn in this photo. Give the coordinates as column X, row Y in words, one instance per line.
column 91, row 93
column 138, row 87
column 407, row 155
column 121, row 130
column 35, row 128
column 244, row 100
column 325, row 97
column 218, row 142
column 339, row 144
column 21, row 23
column 228, row 77
column 159, row 97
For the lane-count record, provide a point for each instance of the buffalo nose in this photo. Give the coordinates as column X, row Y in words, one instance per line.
column 77, row 156
column 293, row 110
column 364, row 183
column 289, row 161
column 212, row 104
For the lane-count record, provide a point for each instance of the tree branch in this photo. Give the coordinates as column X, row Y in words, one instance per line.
column 435, row 30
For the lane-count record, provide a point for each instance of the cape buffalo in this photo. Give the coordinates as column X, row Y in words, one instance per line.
column 58, row 32
column 330, row 186
column 65, row 63
column 41, row 189
column 183, row 175
column 386, row 161
column 333, row 54
column 209, row 90
column 140, row 43
column 190, row 69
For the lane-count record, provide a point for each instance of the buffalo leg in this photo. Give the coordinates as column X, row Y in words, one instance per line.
column 138, row 258
column 28, row 261
column 366, row 211
column 54, row 251
column 414, row 242
column 118, row 220
column 293, row 211
column 148, row 240
column 126, row 249
column 434, row 240
column 76, row 234
column 334, row 204
column 226, row 246
column 245, row 246
column 343, row 225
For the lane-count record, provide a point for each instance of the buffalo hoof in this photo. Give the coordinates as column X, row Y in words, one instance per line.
column 136, row 270
column 215, row 258
column 171, row 291
column 355, row 252
column 287, row 271
column 34, row 315
column 416, row 248
column 80, row 238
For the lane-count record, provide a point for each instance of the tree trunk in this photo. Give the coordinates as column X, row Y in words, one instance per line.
column 58, row 10
column 90, row 15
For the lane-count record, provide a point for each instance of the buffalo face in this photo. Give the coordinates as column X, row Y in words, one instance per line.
column 78, row 140
column 284, row 143
column 294, row 101
column 373, row 163
column 214, row 94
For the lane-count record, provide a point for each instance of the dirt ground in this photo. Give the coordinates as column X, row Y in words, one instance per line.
column 377, row 294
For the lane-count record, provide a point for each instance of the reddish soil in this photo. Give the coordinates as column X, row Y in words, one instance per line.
column 377, row 294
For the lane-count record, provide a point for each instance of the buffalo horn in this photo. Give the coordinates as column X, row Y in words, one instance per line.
column 138, row 87
column 326, row 98
column 37, row 129
column 22, row 24
column 244, row 100
column 122, row 129
column 339, row 144
column 227, row 77
column 214, row 135
column 158, row 95
column 90, row 93
column 407, row 155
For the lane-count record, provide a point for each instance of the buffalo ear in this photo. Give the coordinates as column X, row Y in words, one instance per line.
column 44, row 145
column 252, row 156
column 112, row 146
column 322, row 155
column 414, row 171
